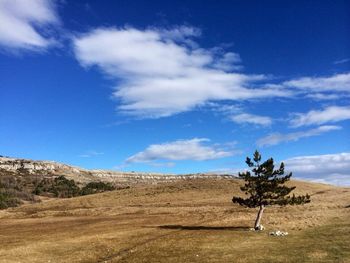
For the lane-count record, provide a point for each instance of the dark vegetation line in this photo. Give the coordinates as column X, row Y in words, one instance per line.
column 16, row 189
column 64, row 188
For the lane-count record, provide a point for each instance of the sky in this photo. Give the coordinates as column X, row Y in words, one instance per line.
column 177, row 86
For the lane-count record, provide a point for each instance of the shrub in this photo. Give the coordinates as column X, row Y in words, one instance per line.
column 7, row 200
column 62, row 187
column 59, row 187
column 65, row 188
column 13, row 190
column 96, row 187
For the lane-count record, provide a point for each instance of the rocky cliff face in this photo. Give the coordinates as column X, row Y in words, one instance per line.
column 49, row 168
column 32, row 167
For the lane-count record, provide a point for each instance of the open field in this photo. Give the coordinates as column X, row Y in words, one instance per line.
column 182, row 221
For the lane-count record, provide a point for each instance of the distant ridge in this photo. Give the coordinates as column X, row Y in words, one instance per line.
column 51, row 168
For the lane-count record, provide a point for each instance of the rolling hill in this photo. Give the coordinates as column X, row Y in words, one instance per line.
column 190, row 220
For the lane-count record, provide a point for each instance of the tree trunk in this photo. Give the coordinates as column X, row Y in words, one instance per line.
column 258, row 218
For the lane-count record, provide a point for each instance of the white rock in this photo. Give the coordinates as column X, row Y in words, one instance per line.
column 260, row 228
column 278, row 233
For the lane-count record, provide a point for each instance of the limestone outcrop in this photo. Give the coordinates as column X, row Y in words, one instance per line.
column 30, row 166
column 50, row 168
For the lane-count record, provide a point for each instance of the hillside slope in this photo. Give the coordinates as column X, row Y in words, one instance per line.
column 50, row 168
column 180, row 221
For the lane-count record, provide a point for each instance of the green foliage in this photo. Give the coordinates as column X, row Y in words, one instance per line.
column 64, row 188
column 96, row 187
column 43, row 187
column 266, row 186
column 59, row 187
column 16, row 187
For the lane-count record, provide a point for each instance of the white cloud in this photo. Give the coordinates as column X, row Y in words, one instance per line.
column 252, row 119
column 20, row 21
column 332, row 87
column 229, row 61
column 194, row 149
column 329, row 114
column 277, row 138
column 325, row 96
column 335, row 83
column 164, row 72
column 90, row 154
column 162, row 164
column 329, row 168
column 341, row 61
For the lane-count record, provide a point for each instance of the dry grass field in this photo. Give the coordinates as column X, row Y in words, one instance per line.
column 183, row 221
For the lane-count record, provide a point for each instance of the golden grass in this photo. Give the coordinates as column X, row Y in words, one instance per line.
column 185, row 221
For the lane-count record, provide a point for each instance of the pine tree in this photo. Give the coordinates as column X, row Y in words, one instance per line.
column 266, row 187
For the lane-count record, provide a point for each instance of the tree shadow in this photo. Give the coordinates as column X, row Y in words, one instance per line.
column 182, row 227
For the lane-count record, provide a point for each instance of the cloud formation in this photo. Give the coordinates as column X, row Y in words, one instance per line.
column 251, row 119
column 196, row 149
column 20, row 21
column 324, row 96
column 164, row 72
column 91, row 153
column 335, row 83
column 329, row 168
column 341, row 61
column 277, row 138
column 316, row 117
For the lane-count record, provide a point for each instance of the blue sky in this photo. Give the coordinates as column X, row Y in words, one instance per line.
column 177, row 86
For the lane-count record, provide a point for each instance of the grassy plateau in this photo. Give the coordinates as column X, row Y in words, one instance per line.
column 181, row 221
